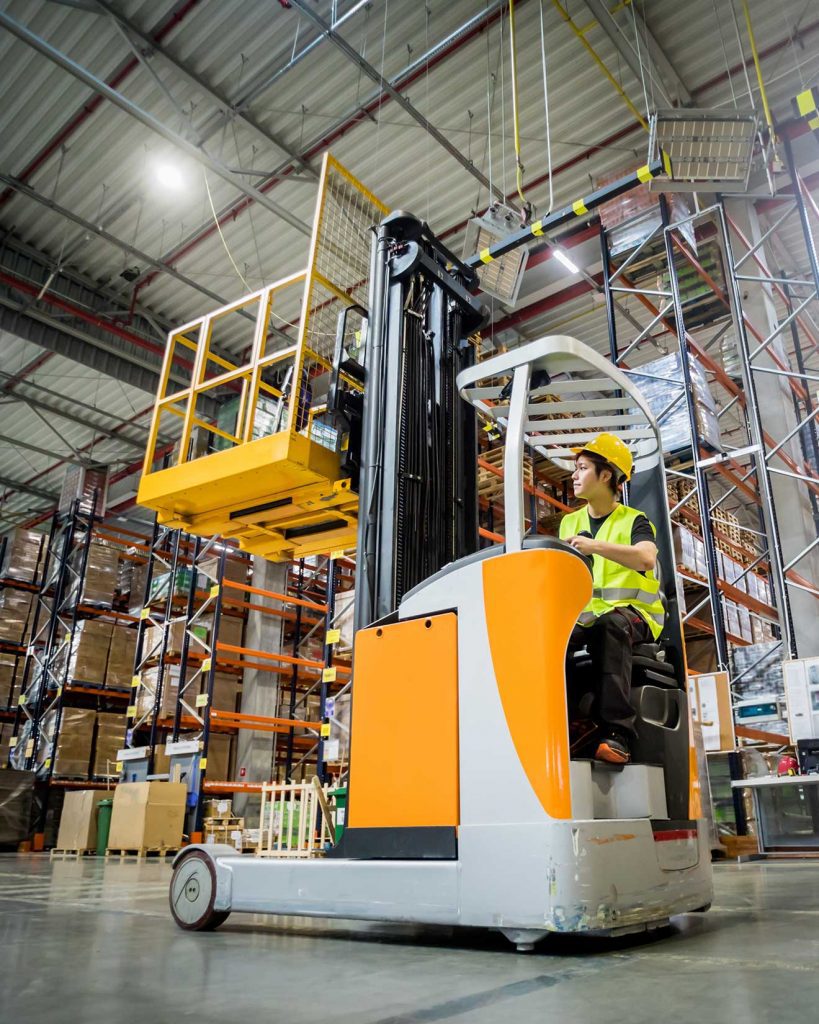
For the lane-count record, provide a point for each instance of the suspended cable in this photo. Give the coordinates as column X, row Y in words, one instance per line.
column 725, row 53
column 546, row 111
column 757, row 65
column 513, row 62
column 640, row 60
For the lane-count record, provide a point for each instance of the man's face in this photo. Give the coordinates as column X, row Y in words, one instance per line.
column 587, row 484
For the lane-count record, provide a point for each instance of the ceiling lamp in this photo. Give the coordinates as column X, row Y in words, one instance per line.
column 709, row 150
column 502, row 277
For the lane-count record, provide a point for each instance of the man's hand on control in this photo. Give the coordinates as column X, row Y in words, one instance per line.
column 585, row 545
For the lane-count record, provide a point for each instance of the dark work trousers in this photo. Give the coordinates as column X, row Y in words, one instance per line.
column 609, row 640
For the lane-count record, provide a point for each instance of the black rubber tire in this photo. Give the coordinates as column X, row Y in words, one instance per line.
column 197, row 868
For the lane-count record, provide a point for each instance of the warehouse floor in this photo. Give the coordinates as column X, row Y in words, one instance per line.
column 94, row 942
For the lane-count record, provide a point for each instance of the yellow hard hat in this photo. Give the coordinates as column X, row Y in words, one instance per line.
column 613, row 450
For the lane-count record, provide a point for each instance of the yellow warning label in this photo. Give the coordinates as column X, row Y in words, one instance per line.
column 131, row 712
column 203, row 764
column 328, row 675
column 214, row 590
column 135, row 682
column 805, row 102
column 580, row 207
column 325, row 730
column 333, row 636
column 644, row 174
column 206, row 664
column 145, row 613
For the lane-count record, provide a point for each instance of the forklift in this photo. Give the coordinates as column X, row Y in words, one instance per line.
column 460, row 652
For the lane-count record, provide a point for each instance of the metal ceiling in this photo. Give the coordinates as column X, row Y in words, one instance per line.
column 242, row 98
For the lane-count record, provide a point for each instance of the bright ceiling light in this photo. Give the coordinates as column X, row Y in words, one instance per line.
column 561, row 257
column 169, row 176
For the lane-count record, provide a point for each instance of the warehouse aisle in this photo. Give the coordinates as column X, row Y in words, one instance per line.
column 94, row 942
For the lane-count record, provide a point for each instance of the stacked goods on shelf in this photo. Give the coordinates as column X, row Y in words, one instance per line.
column 86, row 653
column 225, row 690
column 757, row 674
column 72, row 755
column 89, row 484
column 15, row 615
column 235, row 569
column 656, row 382
column 490, row 485
column 152, row 643
column 149, row 679
column 101, row 577
column 6, row 733
column 11, row 670
column 632, row 217
column 136, row 587
column 120, row 668
column 21, row 558
column 110, row 737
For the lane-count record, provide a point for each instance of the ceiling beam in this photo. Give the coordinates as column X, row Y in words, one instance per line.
column 355, row 58
column 197, row 153
column 152, row 49
column 36, row 492
column 16, row 442
column 671, row 86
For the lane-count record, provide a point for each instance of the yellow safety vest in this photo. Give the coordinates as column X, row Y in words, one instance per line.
column 615, row 586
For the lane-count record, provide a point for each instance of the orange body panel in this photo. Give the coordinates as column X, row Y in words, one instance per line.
column 532, row 601
column 405, row 704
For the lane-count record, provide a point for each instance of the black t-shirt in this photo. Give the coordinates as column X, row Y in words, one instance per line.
column 640, row 528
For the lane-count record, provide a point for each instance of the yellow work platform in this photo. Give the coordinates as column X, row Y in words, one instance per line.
column 255, row 460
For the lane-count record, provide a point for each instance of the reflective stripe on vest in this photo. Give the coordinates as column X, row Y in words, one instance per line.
column 616, row 586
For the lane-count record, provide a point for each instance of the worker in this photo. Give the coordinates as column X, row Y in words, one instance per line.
column 626, row 607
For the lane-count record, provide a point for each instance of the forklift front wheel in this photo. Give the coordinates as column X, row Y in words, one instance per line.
column 192, row 893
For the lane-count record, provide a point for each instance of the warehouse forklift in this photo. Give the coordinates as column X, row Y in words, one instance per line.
column 459, row 661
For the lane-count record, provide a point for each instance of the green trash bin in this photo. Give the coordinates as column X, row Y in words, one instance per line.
column 104, row 809
column 340, row 797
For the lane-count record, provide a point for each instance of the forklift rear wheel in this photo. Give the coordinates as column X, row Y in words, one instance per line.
column 192, row 894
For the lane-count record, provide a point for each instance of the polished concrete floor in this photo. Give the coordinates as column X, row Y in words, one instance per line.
column 93, row 942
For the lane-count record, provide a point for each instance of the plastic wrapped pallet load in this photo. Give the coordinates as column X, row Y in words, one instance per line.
column 87, row 653
column 15, row 615
column 120, row 668
column 22, row 555
column 109, row 739
column 72, row 754
column 9, row 673
column 101, row 576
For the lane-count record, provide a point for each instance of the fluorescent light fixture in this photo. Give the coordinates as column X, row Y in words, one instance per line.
column 502, row 277
column 561, row 257
column 169, row 176
column 710, row 150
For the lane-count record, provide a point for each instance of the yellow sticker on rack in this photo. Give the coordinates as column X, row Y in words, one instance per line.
column 333, row 636
column 201, row 700
column 203, row 764
column 131, row 711
column 345, row 443
column 337, row 554
column 214, row 590
column 206, row 664
column 145, row 613
column 12, row 743
column 136, row 682
column 328, row 675
column 47, row 764
column 22, row 699
column 29, row 748
column 325, row 730
column 118, row 766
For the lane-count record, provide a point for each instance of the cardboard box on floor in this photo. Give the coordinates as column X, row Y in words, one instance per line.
column 147, row 815
column 78, row 821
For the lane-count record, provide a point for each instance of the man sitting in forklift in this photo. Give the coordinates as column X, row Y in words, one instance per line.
column 626, row 606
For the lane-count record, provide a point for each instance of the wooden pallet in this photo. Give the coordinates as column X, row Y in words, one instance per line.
column 142, row 853
column 73, row 854
column 490, row 486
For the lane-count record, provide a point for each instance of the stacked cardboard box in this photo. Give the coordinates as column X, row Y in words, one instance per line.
column 89, row 484
column 87, row 653
column 73, row 750
column 22, row 555
column 11, row 670
column 109, row 739
column 170, row 690
column 231, row 629
column 225, row 691
column 147, row 815
column 235, row 569
column 78, row 820
column 6, row 732
column 15, row 615
column 136, row 589
column 101, row 576
column 120, row 668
